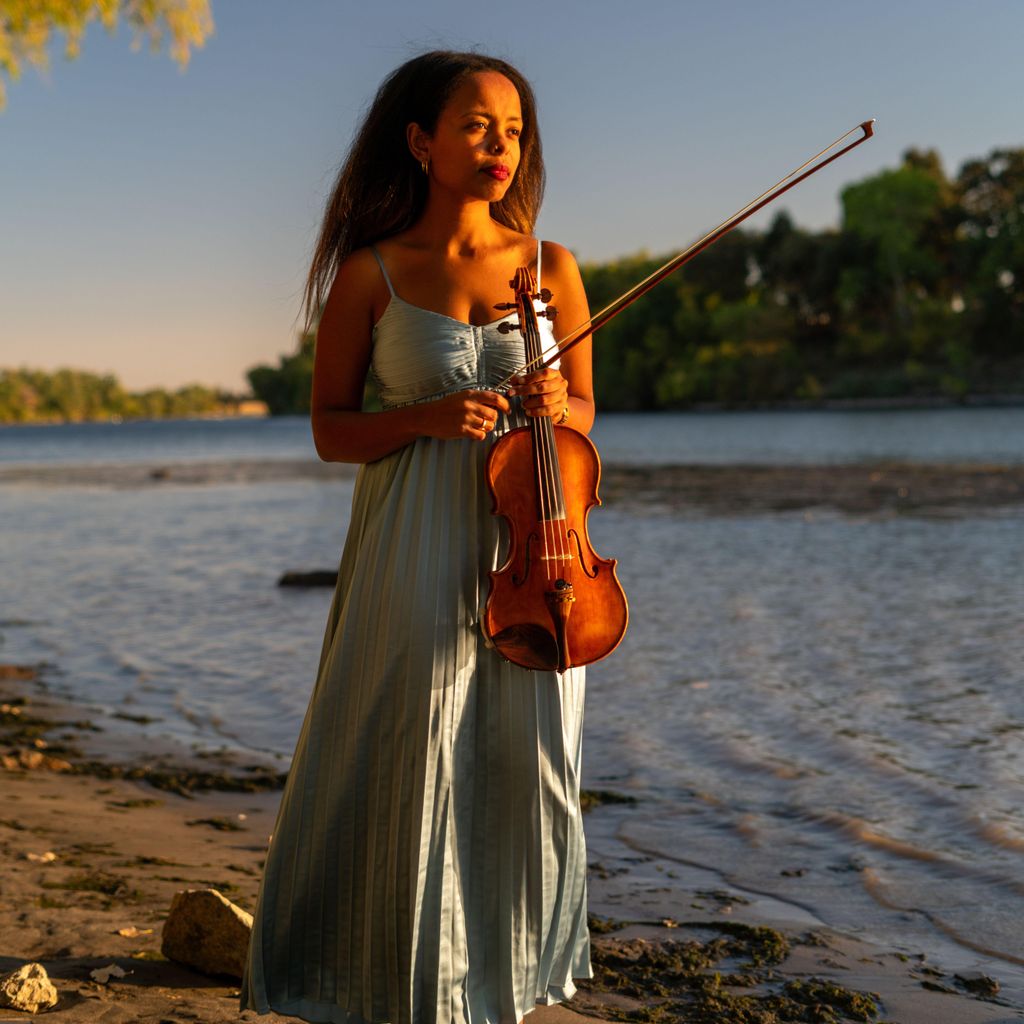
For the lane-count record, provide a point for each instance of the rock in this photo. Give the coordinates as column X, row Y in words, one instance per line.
column 31, row 759
column 20, row 672
column 28, row 988
column 977, row 983
column 207, row 932
column 315, row 578
column 104, row 974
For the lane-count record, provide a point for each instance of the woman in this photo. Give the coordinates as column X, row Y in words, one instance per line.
column 428, row 859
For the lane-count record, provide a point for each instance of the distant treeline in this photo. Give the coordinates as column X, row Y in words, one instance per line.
column 919, row 292
column 35, row 396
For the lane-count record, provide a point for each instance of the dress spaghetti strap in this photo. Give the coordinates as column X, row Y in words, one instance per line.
column 383, row 269
column 540, row 245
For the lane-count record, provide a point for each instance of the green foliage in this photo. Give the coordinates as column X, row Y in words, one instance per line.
column 286, row 388
column 26, row 28
column 34, row 396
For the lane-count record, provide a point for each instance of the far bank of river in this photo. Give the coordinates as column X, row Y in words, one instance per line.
column 990, row 435
column 255, row 409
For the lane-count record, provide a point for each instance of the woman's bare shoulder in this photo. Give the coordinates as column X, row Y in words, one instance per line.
column 559, row 263
column 360, row 267
column 558, row 253
column 358, row 282
column 357, row 295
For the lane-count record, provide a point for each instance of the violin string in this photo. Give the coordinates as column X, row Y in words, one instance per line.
column 567, row 339
column 555, row 514
column 541, row 463
column 558, row 540
column 559, row 537
column 544, row 433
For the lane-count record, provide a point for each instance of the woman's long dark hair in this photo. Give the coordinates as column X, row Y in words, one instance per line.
column 382, row 190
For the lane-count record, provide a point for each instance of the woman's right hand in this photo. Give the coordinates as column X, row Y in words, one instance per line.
column 463, row 414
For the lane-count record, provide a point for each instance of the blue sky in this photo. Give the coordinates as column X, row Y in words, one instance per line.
column 157, row 224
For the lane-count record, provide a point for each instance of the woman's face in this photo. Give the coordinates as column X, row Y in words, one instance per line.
column 474, row 150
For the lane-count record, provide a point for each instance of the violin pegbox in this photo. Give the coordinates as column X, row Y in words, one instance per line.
column 525, row 286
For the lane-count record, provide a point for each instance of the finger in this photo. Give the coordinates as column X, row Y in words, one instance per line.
column 498, row 402
column 545, row 408
column 483, row 418
column 544, row 371
column 540, row 385
column 486, row 416
column 558, row 396
column 546, row 387
column 493, row 400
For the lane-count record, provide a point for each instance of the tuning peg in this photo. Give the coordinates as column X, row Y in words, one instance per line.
column 545, row 295
column 504, row 305
column 507, row 327
column 551, row 312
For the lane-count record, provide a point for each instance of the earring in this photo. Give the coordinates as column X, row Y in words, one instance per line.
column 425, row 164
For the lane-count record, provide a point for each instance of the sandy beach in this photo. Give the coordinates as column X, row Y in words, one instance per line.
column 95, row 843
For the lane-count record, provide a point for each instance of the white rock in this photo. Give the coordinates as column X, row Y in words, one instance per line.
column 104, row 974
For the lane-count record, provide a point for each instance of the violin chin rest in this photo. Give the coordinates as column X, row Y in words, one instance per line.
column 528, row 645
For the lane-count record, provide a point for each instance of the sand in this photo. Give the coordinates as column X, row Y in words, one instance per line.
column 123, row 846
column 877, row 487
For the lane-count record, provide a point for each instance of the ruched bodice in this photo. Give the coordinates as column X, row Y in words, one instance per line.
column 419, row 354
column 428, row 861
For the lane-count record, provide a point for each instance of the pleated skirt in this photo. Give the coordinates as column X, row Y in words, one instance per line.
column 428, row 861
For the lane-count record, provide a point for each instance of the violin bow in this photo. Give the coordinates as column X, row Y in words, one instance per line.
column 615, row 307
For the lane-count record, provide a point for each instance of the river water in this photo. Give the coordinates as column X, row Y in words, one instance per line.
column 825, row 707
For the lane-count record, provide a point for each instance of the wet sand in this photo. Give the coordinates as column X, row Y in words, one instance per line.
column 128, row 829
column 872, row 487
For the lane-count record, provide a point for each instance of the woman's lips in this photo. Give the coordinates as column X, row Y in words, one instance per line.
column 498, row 172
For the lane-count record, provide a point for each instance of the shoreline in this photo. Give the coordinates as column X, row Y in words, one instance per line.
column 130, row 831
column 882, row 486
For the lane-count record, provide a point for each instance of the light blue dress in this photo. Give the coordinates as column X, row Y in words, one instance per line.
column 428, row 860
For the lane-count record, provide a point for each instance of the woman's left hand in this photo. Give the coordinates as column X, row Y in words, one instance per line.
column 544, row 392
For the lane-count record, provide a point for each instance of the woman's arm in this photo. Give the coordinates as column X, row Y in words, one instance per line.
column 548, row 392
column 341, row 431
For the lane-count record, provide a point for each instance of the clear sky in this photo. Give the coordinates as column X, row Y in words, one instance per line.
column 158, row 224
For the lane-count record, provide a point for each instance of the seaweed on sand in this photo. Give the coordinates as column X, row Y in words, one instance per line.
column 726, row 977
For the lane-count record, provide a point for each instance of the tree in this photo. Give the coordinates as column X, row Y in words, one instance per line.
column 286, row 388
column 990, row 249
column 26, row 28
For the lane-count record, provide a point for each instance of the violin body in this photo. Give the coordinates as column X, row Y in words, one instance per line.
column 554, row 603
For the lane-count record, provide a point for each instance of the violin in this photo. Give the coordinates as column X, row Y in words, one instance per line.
column 555, row 603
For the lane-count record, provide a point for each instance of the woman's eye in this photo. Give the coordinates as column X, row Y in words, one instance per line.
column 515, row 131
